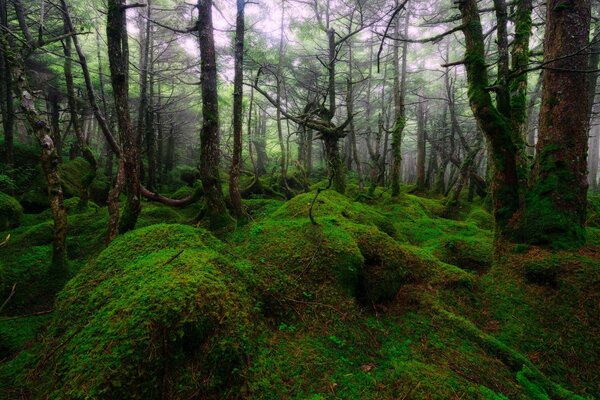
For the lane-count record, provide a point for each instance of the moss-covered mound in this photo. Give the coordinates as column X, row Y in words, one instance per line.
column 471, row 253
column 348, row 253
column 159, row 314
column 77, row 175
column 11, row 212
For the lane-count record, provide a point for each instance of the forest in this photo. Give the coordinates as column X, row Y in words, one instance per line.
column 300, row 199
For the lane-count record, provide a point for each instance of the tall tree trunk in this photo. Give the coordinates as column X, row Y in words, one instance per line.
column 502, row 150
column 238, row 95
column 49, row 160
column 421, row 140
column 594, row 155
column 399, row 108
column 555, row 207
column 216, row 211
column 6, row 96
column 282, row 148
column 159, row 137
column 149, row 121
column 350, row 109
column 82, row 147
column 118, row 55
column 259, row 143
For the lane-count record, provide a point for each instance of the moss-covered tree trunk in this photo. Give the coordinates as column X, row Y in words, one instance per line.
column 555, row 206
column 50, row 161
column 216, row 211
column 6, row 97
column 501, row 148
column 118, row 55
column 335, row 163
column 399, row 108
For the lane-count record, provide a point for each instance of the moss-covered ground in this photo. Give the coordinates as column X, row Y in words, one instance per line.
column 382, row 298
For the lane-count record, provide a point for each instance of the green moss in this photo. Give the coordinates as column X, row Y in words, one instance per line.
column 74, row 175
column 471, row 253
column 159, row 311
column 481, row 218
column 11, row 212
column 552, row 214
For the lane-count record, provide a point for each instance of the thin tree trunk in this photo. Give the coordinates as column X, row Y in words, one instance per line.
column 6, row 96
column 399, row 108
column 350, row 108
column 238, row 95
column 421, row 139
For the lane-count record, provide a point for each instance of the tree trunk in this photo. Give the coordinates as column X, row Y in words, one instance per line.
column 594, row 154
column 49, row 160
column 6, row 96
column 399, row 107
column 555, row 207
column 421, row 121
column 216, row 211
column 335, row 164
column 118, row 54
column 502, row 150
column 238, row 95
column 82, row 147
column 350, row 109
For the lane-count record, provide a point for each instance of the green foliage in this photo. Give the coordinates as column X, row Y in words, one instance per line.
column 11, row 212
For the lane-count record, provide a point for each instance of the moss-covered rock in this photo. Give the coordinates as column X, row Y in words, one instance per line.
column 35, row 200
column 158, row 314
column 11, row 212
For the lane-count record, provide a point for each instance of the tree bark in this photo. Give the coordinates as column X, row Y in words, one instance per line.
column 118, row 54
column 555, row 207
column 502, row 150
column 399, row 107
column 238, row 95
column 421, row 140
column 49, row 160
column 6, row 96
column 216, row 211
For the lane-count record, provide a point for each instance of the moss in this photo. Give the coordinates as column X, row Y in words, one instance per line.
column 11, row 212
column 387, row 266
column 74, row 176
column 551, row 215
column 183, row 192
column 543, row 272
column 481, row 218
column 35, row 200
column 155, row 213
column 158, row 312
column 471, row 253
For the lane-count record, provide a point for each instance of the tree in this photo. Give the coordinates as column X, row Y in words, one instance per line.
column 555, row 206
column 129, row 162
column 216, row 210
column 238, row 93
column 399, row 107
column 552, row 209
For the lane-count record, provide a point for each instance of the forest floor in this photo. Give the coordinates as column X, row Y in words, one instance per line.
column 382, row 299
